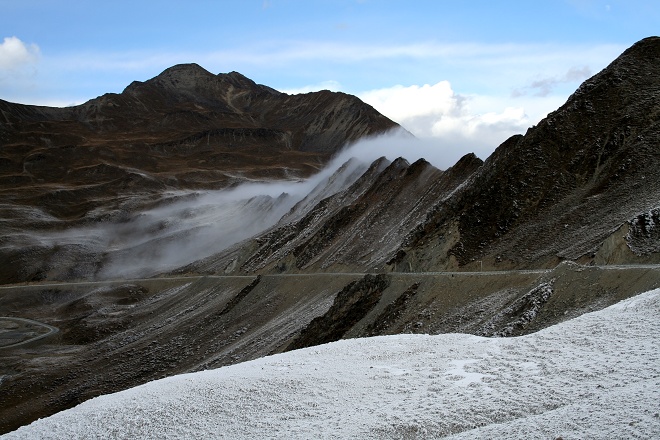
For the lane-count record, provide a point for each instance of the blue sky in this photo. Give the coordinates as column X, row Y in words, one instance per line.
column 466, row 73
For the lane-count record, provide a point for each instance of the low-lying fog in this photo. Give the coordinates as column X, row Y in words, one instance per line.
column 189, row 226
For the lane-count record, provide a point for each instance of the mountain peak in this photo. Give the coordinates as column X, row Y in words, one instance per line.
column 185, row 69
column 193, row 79
column 177, row 77
column 240, row 81
column 184, row 75
column 643, row 46
column 634, row 69
column 236, row 77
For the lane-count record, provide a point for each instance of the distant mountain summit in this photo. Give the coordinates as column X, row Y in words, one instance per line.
column 184, row 130
column 198, row 83
column 222, row 123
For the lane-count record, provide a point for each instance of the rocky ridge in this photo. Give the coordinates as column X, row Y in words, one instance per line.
column 583, row 174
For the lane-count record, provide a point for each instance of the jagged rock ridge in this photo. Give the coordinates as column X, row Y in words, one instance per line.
column 587, row 171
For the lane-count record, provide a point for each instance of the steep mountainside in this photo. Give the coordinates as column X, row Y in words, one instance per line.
column 559, row 191
column 568, row 184
column 186, row 127
column 583, row 185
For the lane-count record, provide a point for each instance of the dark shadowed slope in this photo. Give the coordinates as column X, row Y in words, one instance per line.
column 568, row 184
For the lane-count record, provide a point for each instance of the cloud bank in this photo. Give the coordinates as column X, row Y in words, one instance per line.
column 449, row 124
column 185, row 226
column 15, row 54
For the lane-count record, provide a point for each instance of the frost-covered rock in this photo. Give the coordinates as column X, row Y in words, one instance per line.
column 643, row 237
column 596, row 376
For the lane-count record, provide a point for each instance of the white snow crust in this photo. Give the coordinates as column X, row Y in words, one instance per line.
column 596, row 377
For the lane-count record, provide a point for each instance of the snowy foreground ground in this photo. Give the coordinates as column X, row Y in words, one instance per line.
column 597, row 376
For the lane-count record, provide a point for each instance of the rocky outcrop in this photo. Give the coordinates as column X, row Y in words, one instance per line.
column 643, row 236
column 350, row 305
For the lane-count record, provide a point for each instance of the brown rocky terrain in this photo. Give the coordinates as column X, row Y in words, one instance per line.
column 557, row 222
column 184, row 130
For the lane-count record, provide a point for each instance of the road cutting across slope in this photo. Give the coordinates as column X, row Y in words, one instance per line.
column 51, row 330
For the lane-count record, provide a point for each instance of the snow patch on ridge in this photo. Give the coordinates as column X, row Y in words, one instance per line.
column 596, row 376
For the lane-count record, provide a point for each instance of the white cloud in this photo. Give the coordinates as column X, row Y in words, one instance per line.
column 14, row 54
column 436, row 111
column 415, row 104
column 544, row 86
column 450, row 125
column 333, row 86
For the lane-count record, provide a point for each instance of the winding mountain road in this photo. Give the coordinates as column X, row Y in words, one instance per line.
column 51, row 330
column 321, row 274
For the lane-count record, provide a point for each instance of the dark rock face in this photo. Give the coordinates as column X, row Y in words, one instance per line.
column 392, row 313
column 643, row 237
column 576, row 177
column 352, row 304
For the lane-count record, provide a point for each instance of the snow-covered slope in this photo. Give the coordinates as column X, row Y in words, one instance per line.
column 597, row 376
